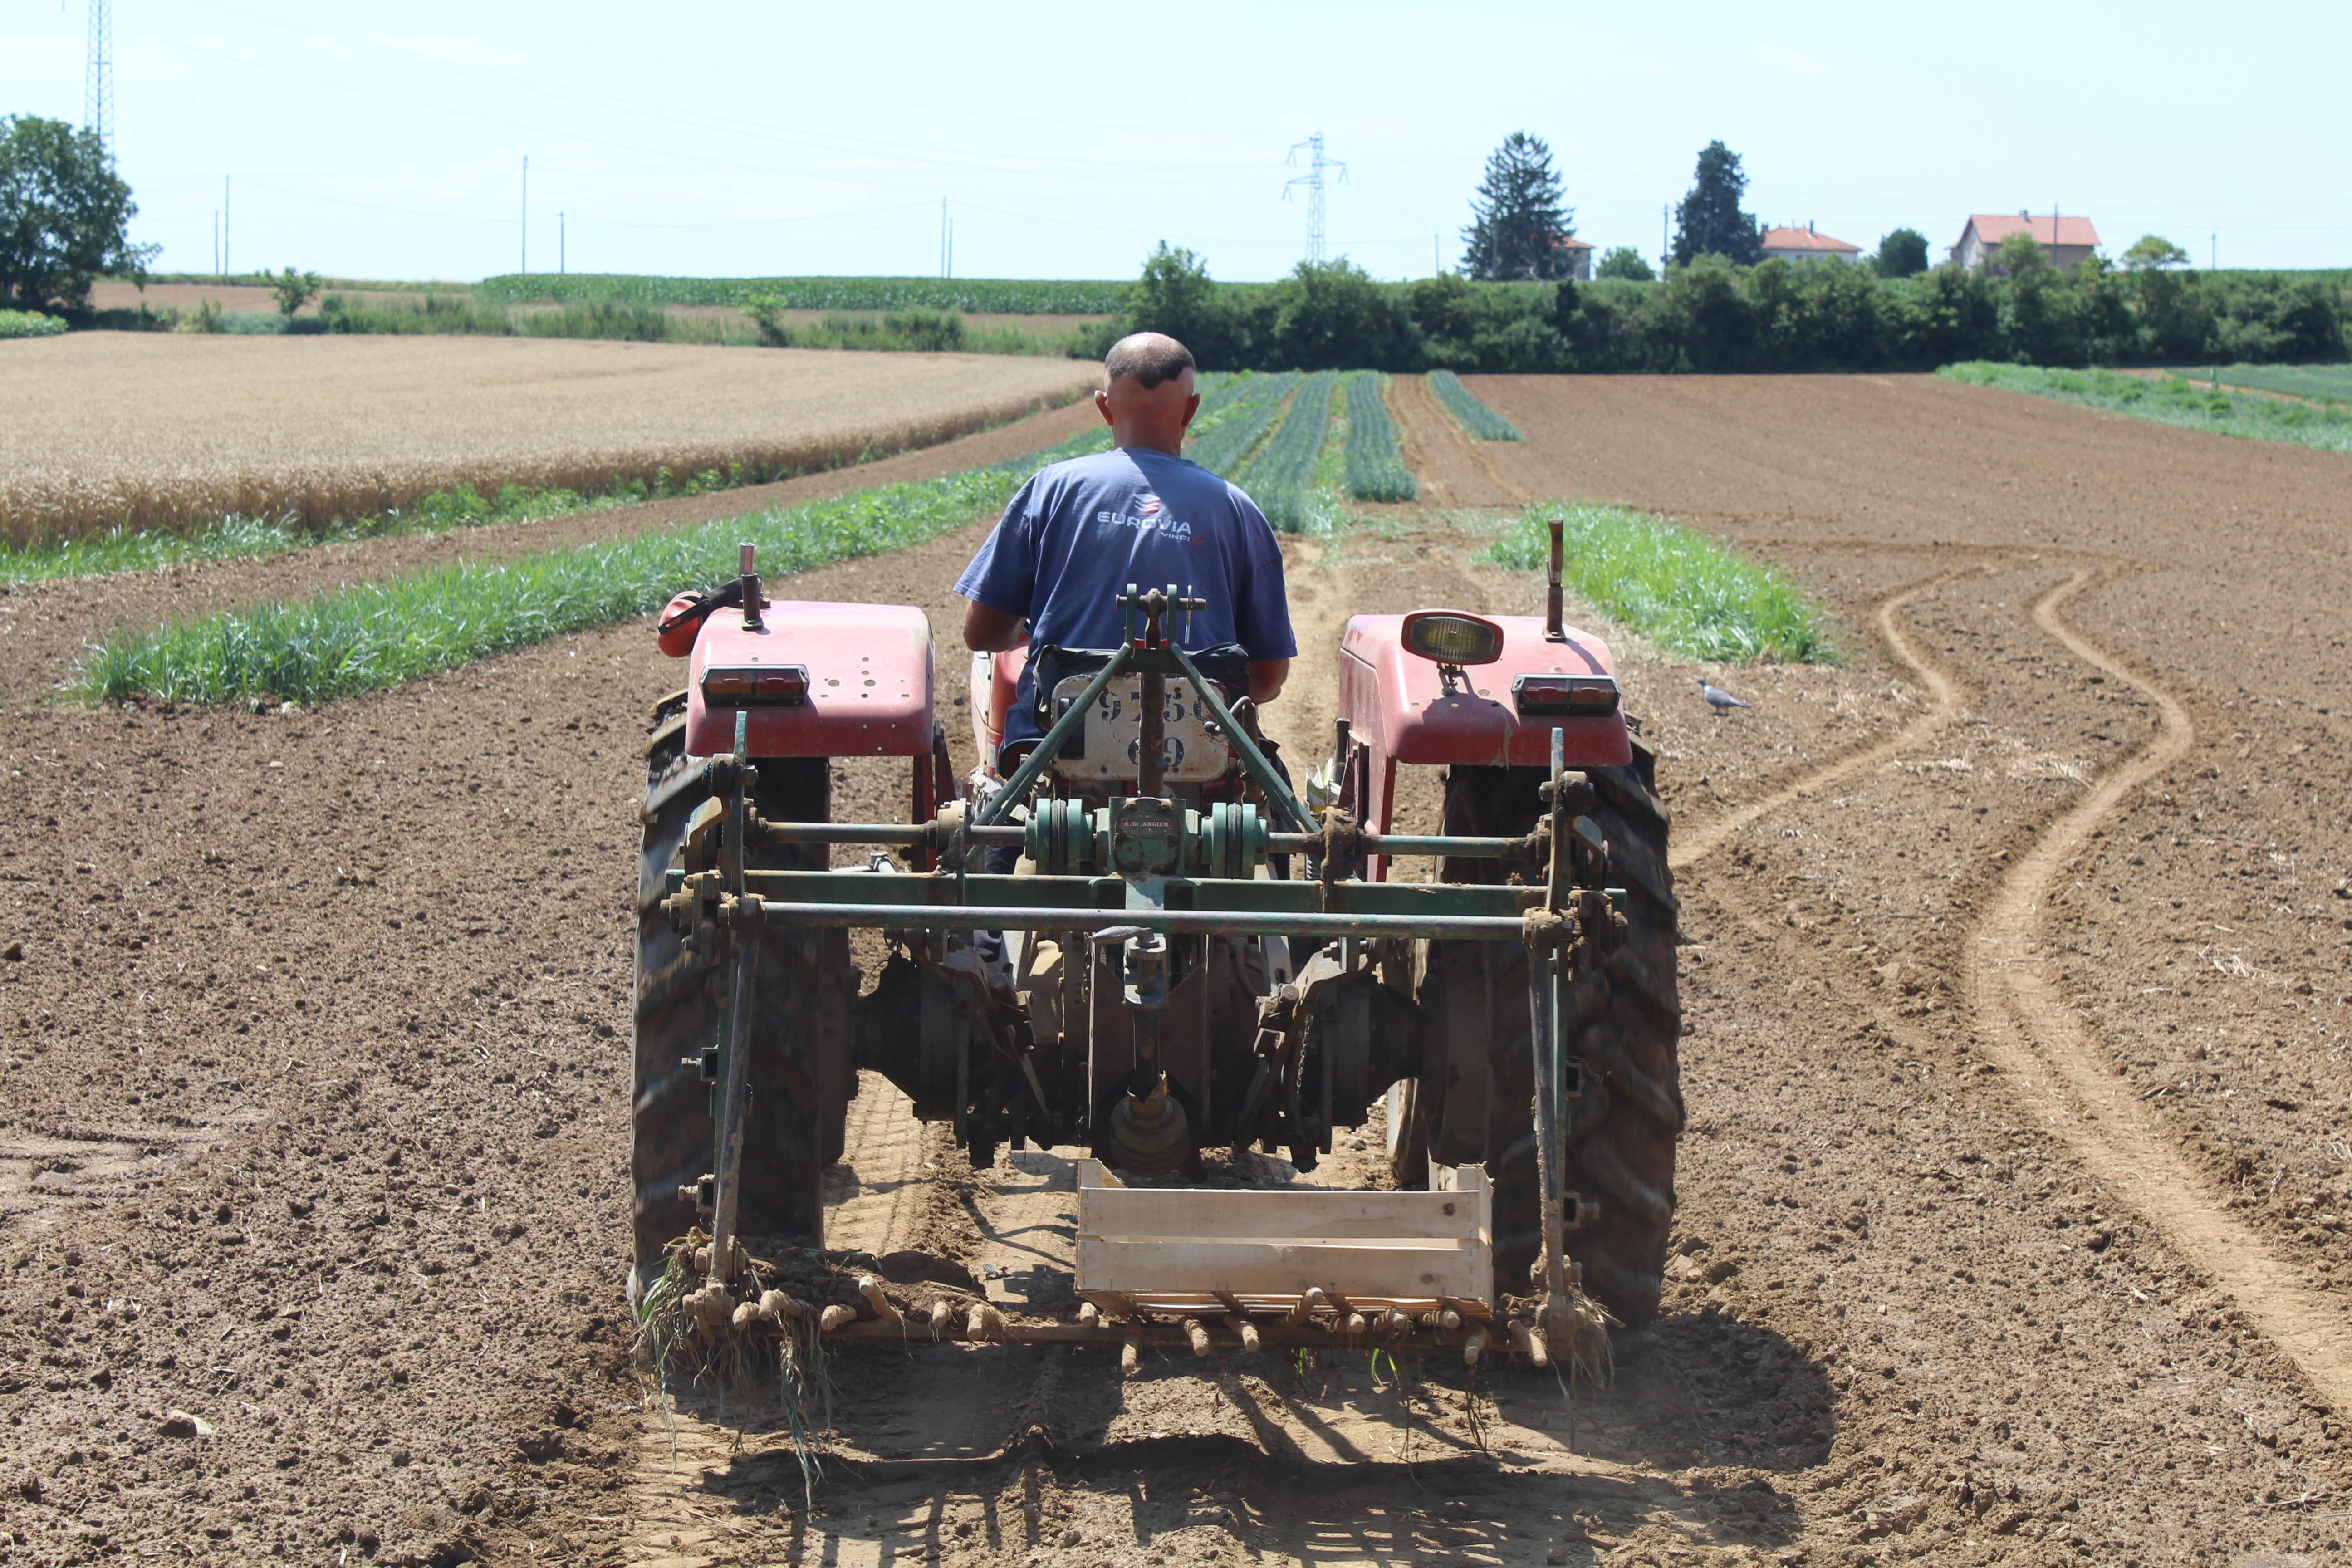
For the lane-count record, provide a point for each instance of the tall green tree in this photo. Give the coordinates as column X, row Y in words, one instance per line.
column 1518, row 221
column 65, row 215
column 2153, row 253
column 1625, row 262
column 1902, row 253
column 1709, row 221
column 1176, row 296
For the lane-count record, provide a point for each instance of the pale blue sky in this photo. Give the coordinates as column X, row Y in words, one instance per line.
column 385, row 137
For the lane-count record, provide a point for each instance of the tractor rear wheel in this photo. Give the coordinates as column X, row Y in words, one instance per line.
column 1622, row 1024
column 799, row 1092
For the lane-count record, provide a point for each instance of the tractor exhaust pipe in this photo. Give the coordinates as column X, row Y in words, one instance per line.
column 1555, row 624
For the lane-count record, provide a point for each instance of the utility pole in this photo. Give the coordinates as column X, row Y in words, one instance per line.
column 1313, row 181
column 526, row 214
column 224, row 228
column 98, row 101
column 559, row 245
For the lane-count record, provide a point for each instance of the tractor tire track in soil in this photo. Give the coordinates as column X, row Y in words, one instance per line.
column 2022, row 1023
column 2028, row 1027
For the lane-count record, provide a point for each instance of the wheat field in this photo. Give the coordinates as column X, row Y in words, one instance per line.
column 163, row 431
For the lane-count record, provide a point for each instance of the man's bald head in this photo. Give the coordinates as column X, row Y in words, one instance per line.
column 1147, row 397
column 1149, row 358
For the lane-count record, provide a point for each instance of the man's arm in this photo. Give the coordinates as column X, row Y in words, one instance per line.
column 990, row 630
column 1266, row 678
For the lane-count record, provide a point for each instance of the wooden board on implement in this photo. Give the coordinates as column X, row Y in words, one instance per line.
column 1192, row 1249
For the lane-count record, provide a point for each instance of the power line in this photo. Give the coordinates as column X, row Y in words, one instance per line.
column 1313, row 181
column 97, row 94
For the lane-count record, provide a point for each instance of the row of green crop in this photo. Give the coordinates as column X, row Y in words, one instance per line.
column 2320, row 383
column 1281, row 477
column 1223, row 437
column 992, row 295
column 1375, row 467
column 2191, row 405
column 377, row 635
column 1476, row 417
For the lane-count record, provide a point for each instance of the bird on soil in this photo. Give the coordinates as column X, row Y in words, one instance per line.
column 1719, row 699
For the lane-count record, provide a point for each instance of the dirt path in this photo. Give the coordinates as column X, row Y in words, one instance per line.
column 1453, row 468
column 2011, row 1207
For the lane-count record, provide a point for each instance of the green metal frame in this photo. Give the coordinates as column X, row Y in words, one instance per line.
column 1133, row 658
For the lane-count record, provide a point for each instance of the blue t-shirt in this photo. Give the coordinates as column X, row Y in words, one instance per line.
column 1078, row 533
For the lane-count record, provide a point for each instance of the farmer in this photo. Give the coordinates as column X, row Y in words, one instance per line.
column 1078, row 533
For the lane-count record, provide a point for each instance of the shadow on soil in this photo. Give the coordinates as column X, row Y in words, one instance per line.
column 942, row 1448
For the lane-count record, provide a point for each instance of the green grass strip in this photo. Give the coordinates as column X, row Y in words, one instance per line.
column 2320, row 383
column 384, row 633
column 1281, row 479
column 378, row 635
column 248, row 538
column 1375, row 468
column 1475, row 416
column 1222, row 442
column 2170, row 400
column 29, row 324
column 1671, row 584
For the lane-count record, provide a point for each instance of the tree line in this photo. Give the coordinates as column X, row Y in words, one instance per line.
column 1723, row 306
column 1717, row 315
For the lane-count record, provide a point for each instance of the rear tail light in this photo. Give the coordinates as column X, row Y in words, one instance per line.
column 1575, row 696
column 755, row 686
column 1449, row 636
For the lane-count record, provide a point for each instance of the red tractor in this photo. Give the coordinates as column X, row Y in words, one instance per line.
column 1187, row 959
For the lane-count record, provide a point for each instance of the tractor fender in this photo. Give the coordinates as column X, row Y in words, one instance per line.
column 1397, row 704
column 869, row 682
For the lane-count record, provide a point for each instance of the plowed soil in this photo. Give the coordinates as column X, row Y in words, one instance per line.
column 2012, row 1202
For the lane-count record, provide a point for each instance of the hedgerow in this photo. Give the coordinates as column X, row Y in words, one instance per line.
column 1716, row 317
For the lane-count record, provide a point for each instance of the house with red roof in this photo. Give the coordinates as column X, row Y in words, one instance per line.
column 1805, row 246
column 1579, row 257
column 2067, row 240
